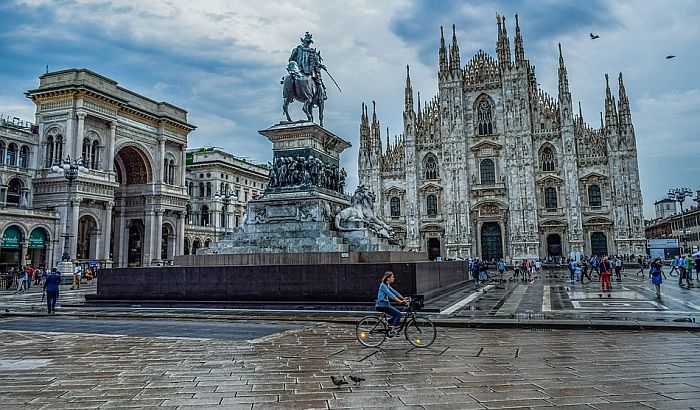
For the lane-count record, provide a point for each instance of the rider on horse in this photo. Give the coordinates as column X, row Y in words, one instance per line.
column 308, row 61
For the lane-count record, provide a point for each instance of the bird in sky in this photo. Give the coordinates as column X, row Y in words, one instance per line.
column 594, row 36
column 668, row 57
column 338, row 382
column 357, row 379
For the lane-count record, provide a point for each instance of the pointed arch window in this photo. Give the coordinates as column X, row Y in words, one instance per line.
column 431, row 171
column 594, row 197
column 2, row 152
column 484, row 118
column 431, row 205
column 395, row 205
column 550, row 199
column 488, row 172
column 547, row 161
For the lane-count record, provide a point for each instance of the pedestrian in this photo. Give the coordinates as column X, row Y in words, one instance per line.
column 577, row 273
column 697, row 266
column 584, row 271
column 682, row 272
column 655, row 272
column 674, row 265
column 605, row 271
column 88, row 276
column 76, row 278
column 640, row 260
column 23, row 281
column 474, row 268
column 572, row 268
column 594, row 264
column 51, row 289
column 690, row 265
column 618, row 268
column 516, row 270
column 501, row 266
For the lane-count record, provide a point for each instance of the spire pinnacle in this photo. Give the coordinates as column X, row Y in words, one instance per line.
column 408, row 92
column 455, row 64
column 563, row 78
column 519, row 48
column 503, row 44
column 443, row 52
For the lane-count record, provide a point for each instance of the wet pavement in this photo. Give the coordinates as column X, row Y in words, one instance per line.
column 291, row 369
column 553, row 296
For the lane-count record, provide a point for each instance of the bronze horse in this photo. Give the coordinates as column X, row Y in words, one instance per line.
column 300, row 87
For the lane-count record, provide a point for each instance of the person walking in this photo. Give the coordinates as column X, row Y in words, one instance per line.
column 691, row 265
column 501, row 266
column 572, row 268
column 697, row 266
column 384, row 295
column 655, row 272
column 682, row 272
column 674, row 266
column 618, row 268
column 605, row 273
column 51, row 289
column 584, row 272
column 23, row 281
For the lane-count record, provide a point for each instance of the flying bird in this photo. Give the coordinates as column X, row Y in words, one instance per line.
column 338, row 382
column 670, row 57
column 594, row 36
column 357, row 379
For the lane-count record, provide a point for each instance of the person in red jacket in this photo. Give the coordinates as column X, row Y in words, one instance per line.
column 605, row 269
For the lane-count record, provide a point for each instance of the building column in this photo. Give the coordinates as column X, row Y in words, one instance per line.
column 24, row 250
column 180, row 234
column 161, row 158
column 79, row 136
column 148, row 252
column 75, row 216
column 158, row 235
column 183, row 166
column 109, row 161
column 121, row 239
column 107, row 231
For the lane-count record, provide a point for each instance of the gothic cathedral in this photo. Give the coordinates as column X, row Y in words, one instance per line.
column 494, row 167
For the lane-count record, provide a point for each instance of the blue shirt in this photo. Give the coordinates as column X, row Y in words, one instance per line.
column 52, row 282
column 385, row 294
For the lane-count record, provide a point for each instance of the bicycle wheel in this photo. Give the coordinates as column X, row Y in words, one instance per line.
column 420, row 332
column 371, row 331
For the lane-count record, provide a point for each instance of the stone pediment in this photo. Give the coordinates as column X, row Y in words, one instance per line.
column 550, row 179
column 552, row 223
column 486, row 145
column 489, row 207
column 394, row 191
column 430, row 188
column 432, row 228
column 593, row 176
column 598, row 221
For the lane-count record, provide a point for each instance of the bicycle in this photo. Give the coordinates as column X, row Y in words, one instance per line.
column 372, row 331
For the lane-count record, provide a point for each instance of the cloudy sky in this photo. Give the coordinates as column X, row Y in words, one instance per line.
column 222, row 61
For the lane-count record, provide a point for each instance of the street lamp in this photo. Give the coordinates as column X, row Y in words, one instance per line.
column 225, row 198
column 679, row 194
column 69, row 169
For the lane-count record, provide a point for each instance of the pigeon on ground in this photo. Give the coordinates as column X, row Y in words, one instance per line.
column 338, row 382
column 670, row 57
column 357, row 379
column 594, row 36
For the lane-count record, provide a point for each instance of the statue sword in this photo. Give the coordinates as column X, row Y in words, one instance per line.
column 331, row 77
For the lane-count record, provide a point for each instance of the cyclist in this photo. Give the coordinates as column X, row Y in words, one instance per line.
column 385, row 294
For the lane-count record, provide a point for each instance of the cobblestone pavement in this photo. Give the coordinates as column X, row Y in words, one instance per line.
column 464, row 369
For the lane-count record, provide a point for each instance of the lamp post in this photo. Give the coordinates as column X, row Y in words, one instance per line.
column 69, row 169
column 225, row 198
column 679, row 195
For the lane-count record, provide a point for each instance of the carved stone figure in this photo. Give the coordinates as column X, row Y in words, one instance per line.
column 361, row 211
column 304, row 82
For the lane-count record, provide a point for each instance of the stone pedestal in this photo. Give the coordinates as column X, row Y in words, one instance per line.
column 296, row 213
column 67, row 268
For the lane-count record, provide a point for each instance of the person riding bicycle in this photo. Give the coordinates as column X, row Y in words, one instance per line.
column 385, row 294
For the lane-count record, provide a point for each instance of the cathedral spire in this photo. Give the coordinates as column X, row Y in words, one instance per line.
column 503, row 44
column 580, row 113
column 455, row 64
column 519, row 49
column 624, row 103
column 408, row 92
column 443, row 53
column 364, row 130
column 563, row 78
column 610, row 109
column 419, row 105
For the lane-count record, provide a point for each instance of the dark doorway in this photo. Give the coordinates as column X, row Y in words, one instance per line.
column 554, row 245
column 599, row 244
column 135, row 240
column 433, row 248
column 491, row 242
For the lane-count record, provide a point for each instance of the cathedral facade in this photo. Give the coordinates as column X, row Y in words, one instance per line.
column 494, row 167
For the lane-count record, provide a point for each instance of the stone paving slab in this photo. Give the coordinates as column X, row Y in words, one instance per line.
column 465, row 368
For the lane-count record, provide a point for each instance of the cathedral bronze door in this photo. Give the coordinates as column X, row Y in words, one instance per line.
column 433, row 248
column 599, row 244
column 491, row 242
